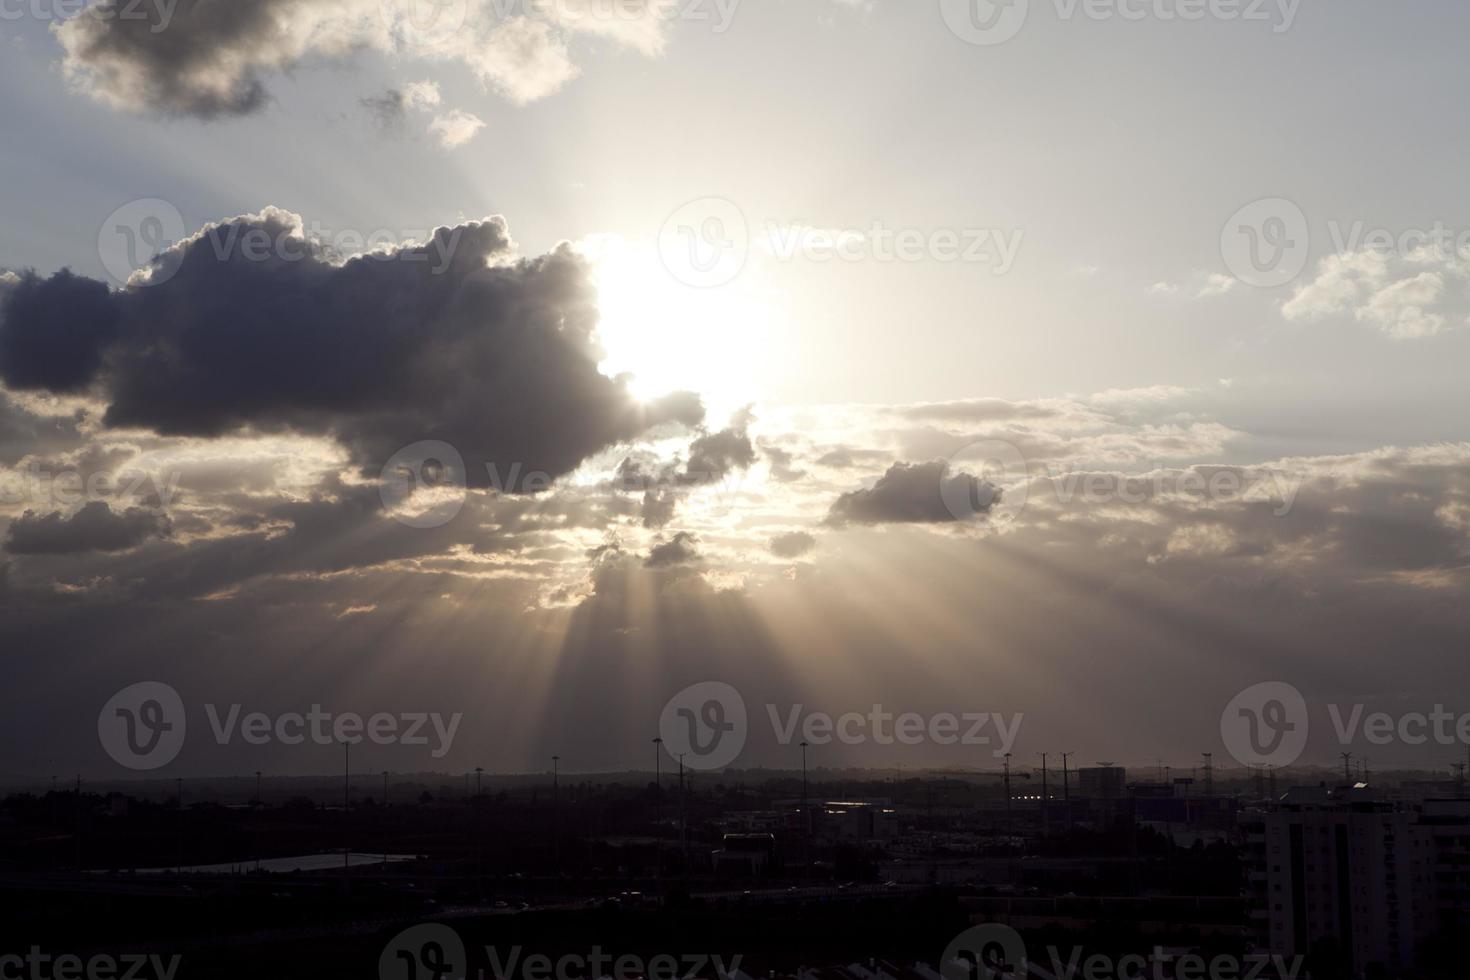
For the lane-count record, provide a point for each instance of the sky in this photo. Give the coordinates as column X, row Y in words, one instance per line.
column 1074, row 367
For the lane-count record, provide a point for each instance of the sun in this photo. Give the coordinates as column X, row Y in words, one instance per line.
column 667, row 336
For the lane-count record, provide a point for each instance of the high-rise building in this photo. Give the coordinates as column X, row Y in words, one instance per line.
column 1340, row 866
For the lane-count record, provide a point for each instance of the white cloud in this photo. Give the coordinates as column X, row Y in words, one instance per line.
column 455, row 128
column 213, row 59
column 1216, row 284
column 1405, row 296
column 421, row 95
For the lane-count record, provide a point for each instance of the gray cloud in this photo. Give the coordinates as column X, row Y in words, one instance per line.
column 95, row 527
column 715, row 455
column 681, row 549
column 210, row 58
column 792, row 544
column 914, row 493
column 455, row 340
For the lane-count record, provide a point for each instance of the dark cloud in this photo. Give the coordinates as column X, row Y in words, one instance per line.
column 53, row 331
column 986, row 410
column 916, row 493
column 23, row 432
column 659, row 506
column 845, row 457
column 211, row 58
column 203, row 60
column 388, row 110
column 793, row 544
column 782, row 464
column 250, row 326
column 715, row 455
column 93, row 528
column 681, row 549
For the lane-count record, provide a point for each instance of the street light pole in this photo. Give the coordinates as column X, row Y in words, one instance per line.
column 1043, row 794
column 1066, row 789
column 806, row 819
column 658, row 807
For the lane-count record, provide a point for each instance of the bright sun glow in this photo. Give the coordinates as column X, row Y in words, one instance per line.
column 718, row 342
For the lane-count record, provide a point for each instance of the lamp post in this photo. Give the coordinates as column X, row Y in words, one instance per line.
column 806, row 818
column 1066, row 789
column 658, row 807
column 1043, row 794
column 683, row 818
